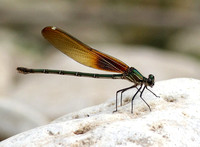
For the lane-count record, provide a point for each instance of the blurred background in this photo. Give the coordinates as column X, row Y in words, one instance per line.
column 158, row 36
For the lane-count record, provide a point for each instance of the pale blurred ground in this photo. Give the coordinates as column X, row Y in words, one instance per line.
column 159, row 37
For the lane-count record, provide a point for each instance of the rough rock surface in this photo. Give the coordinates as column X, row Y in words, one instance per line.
column 173, row 121
column 17, row 117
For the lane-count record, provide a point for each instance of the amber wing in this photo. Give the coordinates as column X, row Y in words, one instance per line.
column 82, row 53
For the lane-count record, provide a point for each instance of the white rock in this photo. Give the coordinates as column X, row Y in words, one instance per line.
column 17, row 117
column 174, row 121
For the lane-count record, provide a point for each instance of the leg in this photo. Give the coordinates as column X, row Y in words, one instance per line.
column 133, row 98
column 122, row 90
column 143, row 99
column 152, row 92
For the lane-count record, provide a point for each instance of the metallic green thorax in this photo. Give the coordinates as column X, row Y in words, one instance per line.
column 134, row 76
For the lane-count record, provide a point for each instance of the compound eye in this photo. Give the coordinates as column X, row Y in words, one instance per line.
column 151, row 77
column 151, row 80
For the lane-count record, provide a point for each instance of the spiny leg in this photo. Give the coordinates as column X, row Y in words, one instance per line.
column 133, row 98
column 122, row 90
column 143, row 99
column 125, row 89
column 152, row 92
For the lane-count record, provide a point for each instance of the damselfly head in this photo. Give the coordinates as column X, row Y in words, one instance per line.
column 150, row 80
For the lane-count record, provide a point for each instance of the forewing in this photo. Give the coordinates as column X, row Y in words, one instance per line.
column 82, row 53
